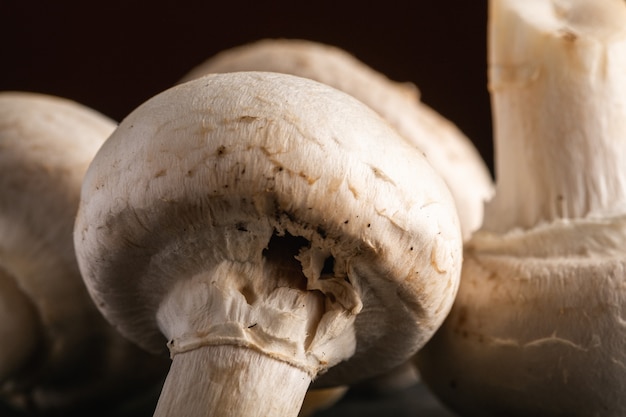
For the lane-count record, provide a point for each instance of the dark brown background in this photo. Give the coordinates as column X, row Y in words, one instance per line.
column 112, row 55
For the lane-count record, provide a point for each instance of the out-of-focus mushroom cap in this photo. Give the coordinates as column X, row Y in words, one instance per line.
column 46, row 144
column 72, row 356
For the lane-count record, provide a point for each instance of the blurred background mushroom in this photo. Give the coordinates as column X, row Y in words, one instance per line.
column 58, row 355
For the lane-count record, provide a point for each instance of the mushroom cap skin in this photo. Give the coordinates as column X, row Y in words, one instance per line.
column 537, row 328
column 230, row 185
column 448, row 150
column 68, row 354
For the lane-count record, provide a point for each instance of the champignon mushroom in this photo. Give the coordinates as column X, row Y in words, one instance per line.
column 57, row 352
column 449, row 151
column 538, row 325
column 265, row 229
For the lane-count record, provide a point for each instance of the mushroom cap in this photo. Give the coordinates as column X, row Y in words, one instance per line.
column 46, row 144
column 212, row 170
column 69, row 353
column 449, row 151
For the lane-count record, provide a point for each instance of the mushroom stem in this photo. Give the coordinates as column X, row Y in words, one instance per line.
column 234, row 381
column 225, row 322
column 558, row 96
column 20, row 335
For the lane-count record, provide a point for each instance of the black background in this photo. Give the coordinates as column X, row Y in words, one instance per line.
column 113, row 55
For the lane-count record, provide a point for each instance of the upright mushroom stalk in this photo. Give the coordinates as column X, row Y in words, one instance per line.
column 267, row 230
column 449, row 151
column 57, row 355
column 538, row 326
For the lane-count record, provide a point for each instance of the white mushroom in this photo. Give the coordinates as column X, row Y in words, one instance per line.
column 267, row 230
column 449, row 151
column 538, row 326
column 57, row 352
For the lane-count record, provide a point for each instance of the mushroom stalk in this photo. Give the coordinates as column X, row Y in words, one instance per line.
column 558, row 93
column 234, row 381
column 537, row 327
column 250, row 340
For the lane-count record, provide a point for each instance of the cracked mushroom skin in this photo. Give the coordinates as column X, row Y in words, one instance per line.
column 267, row 230
column 538, row 327
column 448, row 150
column 57, row 354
